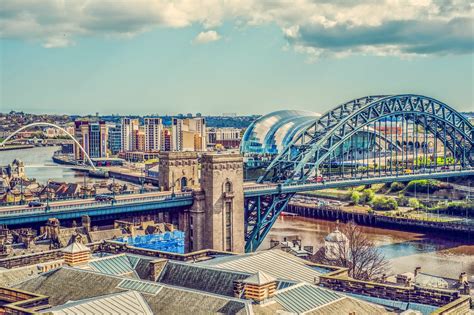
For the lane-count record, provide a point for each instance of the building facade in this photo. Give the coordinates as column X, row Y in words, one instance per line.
column 115, row 139
column 228, row 138
column 189, row 134
column 93, row 137
column 153, row 134
column 129, row 127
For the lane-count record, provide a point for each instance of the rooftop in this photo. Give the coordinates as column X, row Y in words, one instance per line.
column 275, row 262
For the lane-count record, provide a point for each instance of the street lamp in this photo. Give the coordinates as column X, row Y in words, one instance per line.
column 142, row 181
column 172, row 185
column 47, row 195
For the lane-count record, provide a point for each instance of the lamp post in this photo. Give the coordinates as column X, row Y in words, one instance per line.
column 172, row 185
column 47, row 195
column 142, row 181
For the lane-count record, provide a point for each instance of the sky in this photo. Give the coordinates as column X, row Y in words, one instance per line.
column 246, row 57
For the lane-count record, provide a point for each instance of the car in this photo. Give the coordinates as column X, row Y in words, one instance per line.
column 104, row 198
column 34, row 204
column 445, row 167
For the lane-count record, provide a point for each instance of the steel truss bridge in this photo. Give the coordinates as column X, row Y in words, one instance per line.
column 425, row 139
column 419, row 138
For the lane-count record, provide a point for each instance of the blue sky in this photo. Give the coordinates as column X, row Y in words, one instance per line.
column 130, row 61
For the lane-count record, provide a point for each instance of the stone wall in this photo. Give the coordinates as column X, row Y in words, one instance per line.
column 31, row 259
column 176, row 168
column 413, row 294
column 114, row 247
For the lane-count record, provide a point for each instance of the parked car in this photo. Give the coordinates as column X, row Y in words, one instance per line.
column 34, row 204
column 104, row 198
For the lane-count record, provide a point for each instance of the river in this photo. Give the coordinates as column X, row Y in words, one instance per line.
column 39, row 165
column 405, row 250
column 443, row 256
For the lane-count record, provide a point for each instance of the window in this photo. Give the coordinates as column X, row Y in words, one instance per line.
column 228, row 226
column 228, row 187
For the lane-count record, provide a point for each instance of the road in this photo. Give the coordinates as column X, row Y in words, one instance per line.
column 75, row 203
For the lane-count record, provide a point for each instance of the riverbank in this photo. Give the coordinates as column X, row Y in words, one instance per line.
column 381, row 220
column 16, row 147
column 405, row 250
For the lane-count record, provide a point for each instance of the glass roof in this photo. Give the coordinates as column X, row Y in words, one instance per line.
column 272, row 132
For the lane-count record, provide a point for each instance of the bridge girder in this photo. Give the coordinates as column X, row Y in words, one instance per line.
column 306, row 153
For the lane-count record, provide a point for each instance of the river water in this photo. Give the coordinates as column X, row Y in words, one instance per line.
column 443, row 256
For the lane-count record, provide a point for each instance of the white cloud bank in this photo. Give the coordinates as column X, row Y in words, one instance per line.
column 206, row 37
column 314, row 27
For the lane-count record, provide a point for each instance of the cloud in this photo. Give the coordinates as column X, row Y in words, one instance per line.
column 206, row 37
column 313, row 27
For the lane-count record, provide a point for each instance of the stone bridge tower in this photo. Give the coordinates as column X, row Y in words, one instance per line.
column 217, row 217
column 178, row 170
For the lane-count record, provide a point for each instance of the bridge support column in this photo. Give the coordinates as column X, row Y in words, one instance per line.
column 196, row 225
column 178, row 170
column 218, row 215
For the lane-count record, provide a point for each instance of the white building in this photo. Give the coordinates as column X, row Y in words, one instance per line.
column 188, row 134
column 129, row 129
column 153, row 134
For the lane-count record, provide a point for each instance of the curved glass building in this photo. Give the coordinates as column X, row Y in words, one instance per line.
column 272, row 132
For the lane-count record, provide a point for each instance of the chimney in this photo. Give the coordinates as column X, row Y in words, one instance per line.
column 76, row 253
column 86, row 222
column 259, row 287
column 417, row 270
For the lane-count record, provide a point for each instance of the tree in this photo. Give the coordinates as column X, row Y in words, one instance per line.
column 414, row 203
column 359, row 254
column 355, row 197
column 396, row 186
column 383, row 203
column 368, row 195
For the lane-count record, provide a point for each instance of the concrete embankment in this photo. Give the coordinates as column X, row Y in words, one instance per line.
column 374, row 219
column 16, row 147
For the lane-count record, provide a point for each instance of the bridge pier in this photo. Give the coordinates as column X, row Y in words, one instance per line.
column 216, row 218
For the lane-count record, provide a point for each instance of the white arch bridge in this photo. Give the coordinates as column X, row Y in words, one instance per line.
column 46, row 124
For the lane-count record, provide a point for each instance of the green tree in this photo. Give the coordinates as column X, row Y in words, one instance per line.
column 414, row 203
column 396, row 186
column 384, row 204
column 368, row 195
column 355, row 197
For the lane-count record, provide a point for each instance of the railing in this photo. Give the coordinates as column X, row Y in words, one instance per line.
column 401, row 176
column 96, row 204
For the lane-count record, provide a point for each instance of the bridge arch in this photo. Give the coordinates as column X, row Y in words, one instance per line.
column 341, row 123
column 46, row 124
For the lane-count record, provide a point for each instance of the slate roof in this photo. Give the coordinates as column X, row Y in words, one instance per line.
column 201, row 278
column 9, row 277
column 71, row 284
column 129, row 302
column 275, row 262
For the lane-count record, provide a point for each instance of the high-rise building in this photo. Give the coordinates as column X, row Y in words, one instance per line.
column 153, row 134
column 139, row 139
column 188, row 134
column 129, row 126
column 115, row 139
column 166, row 140
column 93, row 137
